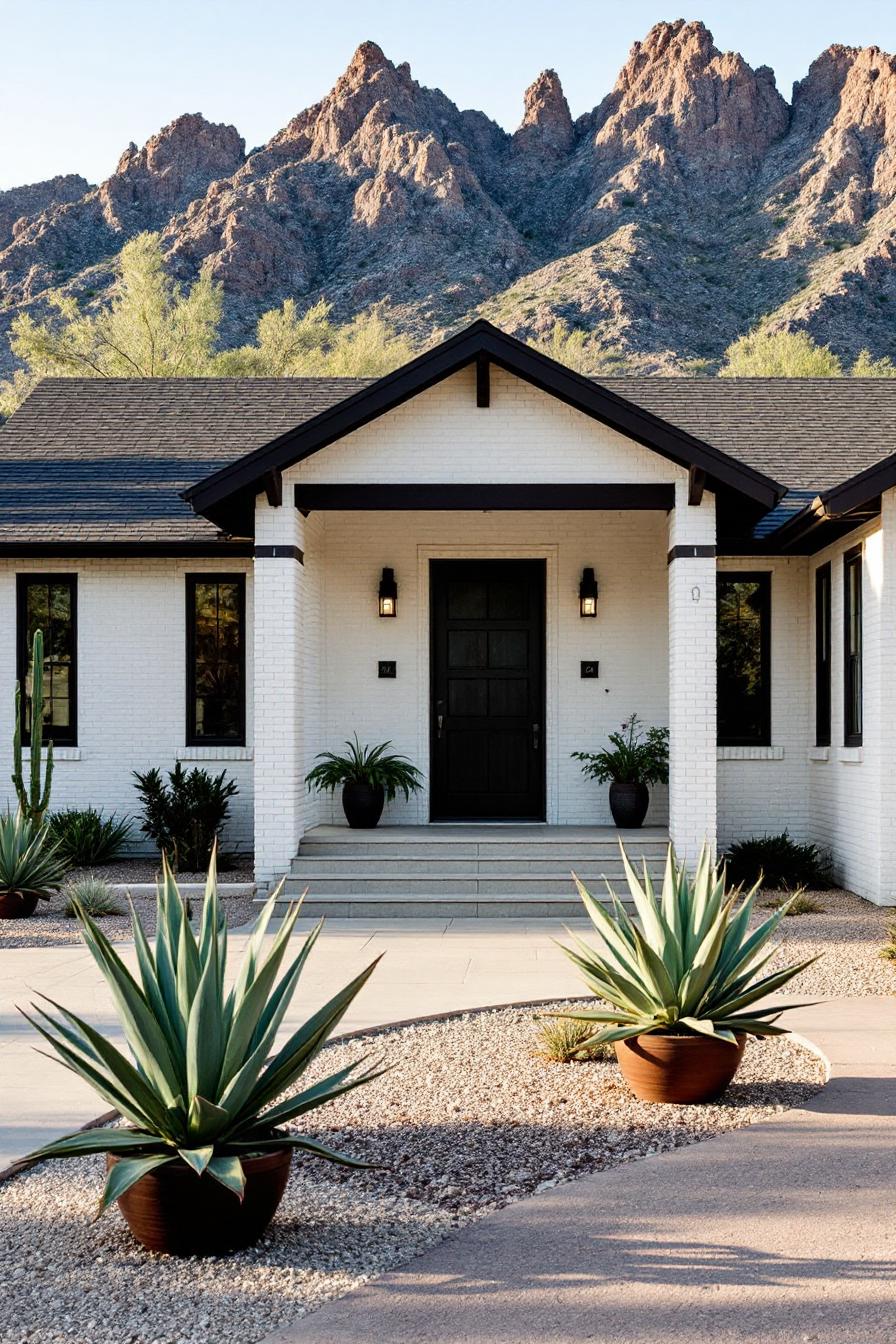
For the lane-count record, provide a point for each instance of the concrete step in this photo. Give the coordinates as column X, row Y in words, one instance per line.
column 595, row 861
column 438, row 905
column 374, row 883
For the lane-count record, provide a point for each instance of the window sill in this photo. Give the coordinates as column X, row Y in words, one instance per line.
column 214, row 754
column 819, row 754
column 851, row 755
column 749, row 753
column 59, row 754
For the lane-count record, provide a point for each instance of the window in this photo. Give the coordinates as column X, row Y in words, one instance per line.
column 743, row 647
column 823, row 656
column 216, row 660
column 852, row 647
column 47, row 602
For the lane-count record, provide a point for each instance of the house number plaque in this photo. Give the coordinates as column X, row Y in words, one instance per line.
column 387, row 669
column 590, row 669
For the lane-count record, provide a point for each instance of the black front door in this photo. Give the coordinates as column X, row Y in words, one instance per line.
column 487, row 756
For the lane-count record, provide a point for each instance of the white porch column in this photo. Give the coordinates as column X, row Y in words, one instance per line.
column 692, row 673
column 279, row 783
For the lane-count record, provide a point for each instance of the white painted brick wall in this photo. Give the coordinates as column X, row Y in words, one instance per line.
column 692, row 677
column 131, row 680
column 851, row 793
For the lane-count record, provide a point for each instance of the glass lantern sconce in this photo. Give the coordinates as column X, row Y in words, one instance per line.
column 388, row 593
column 588, row 593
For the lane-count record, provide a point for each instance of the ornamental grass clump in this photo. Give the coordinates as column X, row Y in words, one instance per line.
column 688, row 964
column 202, row 1085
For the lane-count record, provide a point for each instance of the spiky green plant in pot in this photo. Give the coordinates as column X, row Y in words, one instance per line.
column 682, row 981
column 202, row 1160
column 30, row 866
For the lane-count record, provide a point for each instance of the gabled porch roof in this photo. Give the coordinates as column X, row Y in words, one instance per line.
column 226, row 496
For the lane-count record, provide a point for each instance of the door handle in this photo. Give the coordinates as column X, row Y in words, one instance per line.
column 440, row 718
column 536, row 729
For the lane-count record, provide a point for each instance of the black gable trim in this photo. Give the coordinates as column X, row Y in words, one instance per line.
column 214, row 495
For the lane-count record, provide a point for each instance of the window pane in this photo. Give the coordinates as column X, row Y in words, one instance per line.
column 852, row 662
column 48, row 606
column 743, row 689
column 823, row 656
column 217, row 660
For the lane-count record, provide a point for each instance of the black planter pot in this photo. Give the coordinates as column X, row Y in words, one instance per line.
column 362, row 805
column 628, row 803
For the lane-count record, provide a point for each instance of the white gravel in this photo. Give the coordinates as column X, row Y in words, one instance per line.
column 468, row 1119
column 848, row 935
column 49, row 927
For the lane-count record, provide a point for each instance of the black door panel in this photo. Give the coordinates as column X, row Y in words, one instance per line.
column 487, row 689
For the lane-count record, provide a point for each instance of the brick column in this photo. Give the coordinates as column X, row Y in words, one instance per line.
column 279, row 782
column 692, row 673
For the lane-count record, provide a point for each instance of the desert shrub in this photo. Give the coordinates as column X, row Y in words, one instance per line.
column 799, row 904
column 562, row 1040
column 186, row 816
column 778, row 861
column 29, row 863
column 84, row 836
column 888, row 951
column 90, row 896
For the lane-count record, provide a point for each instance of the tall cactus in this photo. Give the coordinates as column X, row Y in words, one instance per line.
column 34, row 800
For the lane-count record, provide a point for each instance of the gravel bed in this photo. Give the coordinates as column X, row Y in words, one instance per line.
column 49, row 927
column 468, row 1119
column 848, row 936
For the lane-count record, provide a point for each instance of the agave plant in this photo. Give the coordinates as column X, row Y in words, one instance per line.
column 203, row 1085
column 688, row 964
column 30, row 864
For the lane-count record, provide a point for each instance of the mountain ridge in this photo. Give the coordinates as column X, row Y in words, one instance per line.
column 691, row 203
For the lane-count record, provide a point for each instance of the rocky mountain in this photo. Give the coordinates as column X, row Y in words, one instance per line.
column 691, row 202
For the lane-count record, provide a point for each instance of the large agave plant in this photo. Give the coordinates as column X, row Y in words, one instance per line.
column 688, row 962
column 203, row 1084
column 30, row 863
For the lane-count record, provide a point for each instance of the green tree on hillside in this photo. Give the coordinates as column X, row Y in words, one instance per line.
column 793, row 354
column 152, row 327
column 579, row 350
column 779, row 354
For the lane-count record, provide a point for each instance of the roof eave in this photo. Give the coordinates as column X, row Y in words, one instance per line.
column 456, row 353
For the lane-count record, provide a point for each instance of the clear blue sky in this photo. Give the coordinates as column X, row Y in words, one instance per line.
column 83, row 77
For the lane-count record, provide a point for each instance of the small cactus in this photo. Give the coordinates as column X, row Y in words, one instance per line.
column 33, row 800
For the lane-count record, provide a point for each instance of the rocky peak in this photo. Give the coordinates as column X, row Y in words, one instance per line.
column 546, row 131
column 173, row 168
column 20, row 204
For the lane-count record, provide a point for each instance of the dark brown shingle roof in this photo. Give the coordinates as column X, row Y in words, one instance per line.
column 92, row 460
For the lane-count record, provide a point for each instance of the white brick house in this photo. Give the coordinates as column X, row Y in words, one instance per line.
column 154, row 512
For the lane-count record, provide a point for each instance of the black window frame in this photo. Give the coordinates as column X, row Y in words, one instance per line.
column 853, row 666
column 60, row 737
column 823, row 654
column 193, row 739
column 763, row 579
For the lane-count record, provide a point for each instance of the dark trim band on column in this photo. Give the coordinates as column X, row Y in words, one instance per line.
column 280, row 553
column 690, row 553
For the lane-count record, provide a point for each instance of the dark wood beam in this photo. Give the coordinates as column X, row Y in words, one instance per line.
column 273, row 487
column 696, row 485
column 483, row 381
column 613, row 495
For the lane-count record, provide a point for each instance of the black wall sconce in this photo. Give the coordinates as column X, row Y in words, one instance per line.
column 388, row 593
column 588, row 593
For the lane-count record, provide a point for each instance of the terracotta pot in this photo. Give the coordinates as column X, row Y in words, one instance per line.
column 629, row 804
column 179, row 1213
column 362, row 805
column 679, row 1069
column 17, row 904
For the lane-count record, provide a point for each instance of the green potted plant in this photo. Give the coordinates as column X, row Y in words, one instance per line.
column 202, row 1160
column 680, row 982
column 368, row 775
column 636, row 758
column 31, row 868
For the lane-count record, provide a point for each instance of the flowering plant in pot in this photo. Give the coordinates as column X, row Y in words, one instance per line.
column 368, row 775
column 202, row 1160
column 681, row 981
column 637, row 758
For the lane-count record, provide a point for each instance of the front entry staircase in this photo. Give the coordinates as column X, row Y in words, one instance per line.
column 461, row 871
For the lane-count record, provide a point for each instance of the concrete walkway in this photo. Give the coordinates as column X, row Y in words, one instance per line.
column 431, row 966
column 777, row 1234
